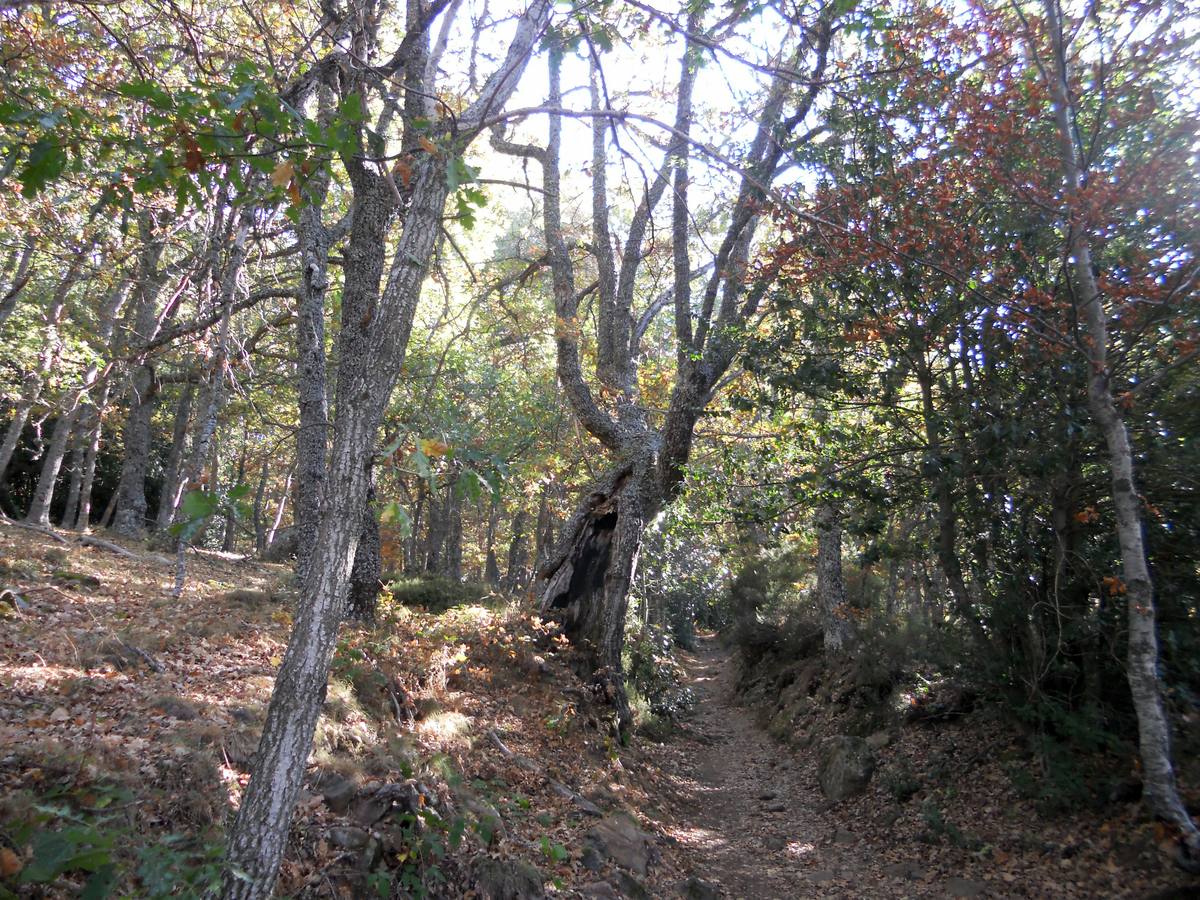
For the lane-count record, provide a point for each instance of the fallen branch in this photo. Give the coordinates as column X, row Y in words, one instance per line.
column 5, row 520
column 91, row 541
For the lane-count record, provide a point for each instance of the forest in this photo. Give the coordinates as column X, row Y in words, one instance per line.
column 599, row 448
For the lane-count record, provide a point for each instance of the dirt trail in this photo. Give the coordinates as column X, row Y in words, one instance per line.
column 750, row 815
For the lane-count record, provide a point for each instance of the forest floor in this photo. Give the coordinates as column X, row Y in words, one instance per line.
column 128, row 722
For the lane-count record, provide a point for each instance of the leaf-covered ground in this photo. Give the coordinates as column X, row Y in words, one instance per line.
column 457, row 755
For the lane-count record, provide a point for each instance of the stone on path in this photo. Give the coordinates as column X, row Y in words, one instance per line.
column 846, row 766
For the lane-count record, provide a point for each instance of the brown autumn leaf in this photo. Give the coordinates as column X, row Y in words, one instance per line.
column 428, row 146
column 10, row 863
column 404, row 170
column 283, row 173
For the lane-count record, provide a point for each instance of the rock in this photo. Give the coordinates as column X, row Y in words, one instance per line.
column 842, row 836
column 79, row 579
column 245, row 715
column 778, row 806
column 961, row 887
column 630, row 887
column 907, row 870
column 769, row 795
column 499, row 879
column 591, row 859
column 1127, row 790
column 405, row 796
column 249, row 597
column 10, row 600
column 822, row 876
column 338, row 791
column 617, row 837
column 348, row 837
column 845, row 767
column 879, row 740
column 602, row 890
column 489, row 825
column 176, row 708
column 775, row 843
column 699, row 889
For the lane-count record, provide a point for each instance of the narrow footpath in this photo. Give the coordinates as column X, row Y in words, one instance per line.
column 751, row 815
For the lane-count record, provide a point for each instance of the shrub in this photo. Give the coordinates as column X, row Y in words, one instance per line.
column 436, row 593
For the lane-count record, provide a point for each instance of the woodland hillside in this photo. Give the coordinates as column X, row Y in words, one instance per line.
column 505, row 447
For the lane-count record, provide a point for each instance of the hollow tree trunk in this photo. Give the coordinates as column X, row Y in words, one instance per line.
column 587, row 589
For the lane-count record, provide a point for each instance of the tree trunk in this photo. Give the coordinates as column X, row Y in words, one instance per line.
column 367, row 572
column 454, row 537
column 35, row 379
column 95, row 433
column 172, row 487
column 39, row 507
column 78, row 451
column 16, row 277
column 587, row 588
column 130, row 517
column 836, row 622
column 312, row 438
column 260, row 498
column 491, row 566
column 229, row 539
column 287, row 487
column 371, row 347
column 1154, row 734
column 516, row 575
column 947, row 520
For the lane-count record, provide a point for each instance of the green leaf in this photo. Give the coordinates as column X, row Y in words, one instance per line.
column 394, row 512
column 237, row 492
column 100, row 885
column 45, row 162
column 198, row 505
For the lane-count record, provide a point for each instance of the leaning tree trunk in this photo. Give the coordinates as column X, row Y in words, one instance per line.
column 43, row 495
column 35, row 379
column 371, row 346
column 1154, row 733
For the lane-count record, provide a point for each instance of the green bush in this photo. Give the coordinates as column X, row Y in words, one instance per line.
column 653, row 672
column 437, row 594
